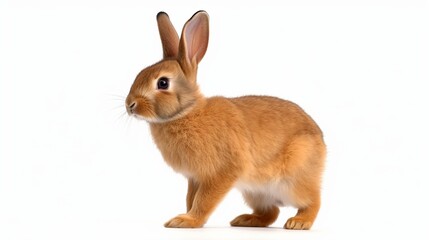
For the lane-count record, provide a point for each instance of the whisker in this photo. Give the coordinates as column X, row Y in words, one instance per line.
column 128, row 124
column 121, row 116
column 118, row 107
column 117, row 95
column 117, row 99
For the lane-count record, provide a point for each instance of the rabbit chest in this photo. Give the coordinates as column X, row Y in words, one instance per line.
column 200, row 150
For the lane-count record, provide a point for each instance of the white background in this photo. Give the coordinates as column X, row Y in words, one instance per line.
column 73, row 167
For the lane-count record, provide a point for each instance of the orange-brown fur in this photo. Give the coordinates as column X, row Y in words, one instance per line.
column 267, row 147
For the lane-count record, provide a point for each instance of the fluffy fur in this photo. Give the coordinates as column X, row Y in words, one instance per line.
column 268, row 148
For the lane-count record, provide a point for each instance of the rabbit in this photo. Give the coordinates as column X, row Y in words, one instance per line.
column 266, row 147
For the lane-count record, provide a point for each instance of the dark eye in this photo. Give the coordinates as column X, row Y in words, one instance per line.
column 163, row 83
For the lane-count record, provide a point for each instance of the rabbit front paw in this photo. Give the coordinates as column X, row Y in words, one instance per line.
column 184, row 221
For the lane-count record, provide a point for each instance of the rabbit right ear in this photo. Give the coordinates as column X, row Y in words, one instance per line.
column 169, row 36
column 193, row 43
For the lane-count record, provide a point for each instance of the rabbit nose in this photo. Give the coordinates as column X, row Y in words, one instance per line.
column 132, row 106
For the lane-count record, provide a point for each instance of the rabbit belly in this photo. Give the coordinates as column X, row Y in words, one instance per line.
column 277, row 193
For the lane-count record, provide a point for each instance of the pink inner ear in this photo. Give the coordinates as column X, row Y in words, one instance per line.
column 191, row 39
column 196, row 34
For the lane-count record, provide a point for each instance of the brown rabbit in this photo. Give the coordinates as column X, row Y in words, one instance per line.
column 268, row 148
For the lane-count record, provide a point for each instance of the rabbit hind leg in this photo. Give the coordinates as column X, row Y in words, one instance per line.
column 306, row 167
column 264, row 214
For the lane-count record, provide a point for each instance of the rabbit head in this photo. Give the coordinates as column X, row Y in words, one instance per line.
column 168, row 90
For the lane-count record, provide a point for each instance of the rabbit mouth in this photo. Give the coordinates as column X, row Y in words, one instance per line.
column 151, row 118
column 140, row 108
column 154, row 118
column 147, row 119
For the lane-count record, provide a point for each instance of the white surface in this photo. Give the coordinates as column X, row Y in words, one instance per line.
column 71, row 167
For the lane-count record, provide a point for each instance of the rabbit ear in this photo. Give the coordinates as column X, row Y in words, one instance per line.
column 194, row 39
column 169, row 37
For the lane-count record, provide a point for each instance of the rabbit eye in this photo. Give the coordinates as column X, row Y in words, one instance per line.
column 163, row 83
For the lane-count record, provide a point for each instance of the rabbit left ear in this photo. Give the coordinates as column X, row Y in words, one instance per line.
column 169, row 37
column 194, row 40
